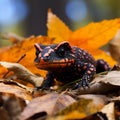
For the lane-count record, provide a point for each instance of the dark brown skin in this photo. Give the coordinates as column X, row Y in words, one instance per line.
column 67, row 63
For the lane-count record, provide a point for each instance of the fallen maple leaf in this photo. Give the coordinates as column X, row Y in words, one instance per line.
column 95, row 35
column 91, row 37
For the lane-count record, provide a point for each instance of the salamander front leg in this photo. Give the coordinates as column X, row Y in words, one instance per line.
column 49, row 80
column 89, row 73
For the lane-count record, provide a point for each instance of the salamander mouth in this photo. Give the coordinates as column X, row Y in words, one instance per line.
column 53, row 65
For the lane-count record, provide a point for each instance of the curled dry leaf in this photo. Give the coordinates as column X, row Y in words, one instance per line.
column 114, row 47
column 50, row 103
column 102, row 84
column 12, row 82
column 17, row 91
column 22, row 73
column 112, row 77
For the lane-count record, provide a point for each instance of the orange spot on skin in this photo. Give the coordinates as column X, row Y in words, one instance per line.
column 39, row 55
column 91, row 69
column 66, row 59
column 62, row 60
column 69, row 64
column 78, row 65
column 46, row 54
column 84, row 53
column 84, row 67
column 101, row 62
column 72, row 55
column 106, row 67
column 51, row 50
column 89, row 72
column 72, row 61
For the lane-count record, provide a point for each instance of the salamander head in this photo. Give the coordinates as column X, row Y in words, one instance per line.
column 54, row 56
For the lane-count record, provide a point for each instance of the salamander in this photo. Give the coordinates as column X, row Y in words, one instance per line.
column 67, row 63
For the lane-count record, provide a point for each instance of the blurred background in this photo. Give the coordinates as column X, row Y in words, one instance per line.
column 29, row 17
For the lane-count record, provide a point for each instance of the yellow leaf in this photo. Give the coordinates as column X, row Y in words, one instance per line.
column 57, row 29
column 91, row 37
column 24, row 47
column 95, row 35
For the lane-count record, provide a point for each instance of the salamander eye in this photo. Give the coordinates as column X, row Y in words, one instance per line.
column 61, row 52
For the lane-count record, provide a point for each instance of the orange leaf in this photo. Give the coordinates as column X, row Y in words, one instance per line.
column 95, row 35
column 57, row 29
column 90, row 38
column 99, row 54
column 24, row 47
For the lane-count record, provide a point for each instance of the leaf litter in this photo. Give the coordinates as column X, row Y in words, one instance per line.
column 99, row 101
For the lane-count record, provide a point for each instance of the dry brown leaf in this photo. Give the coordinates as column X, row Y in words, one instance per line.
column 22, row 73
column 79, row 109
column 102, row 84
column 50, row 103
column 11, row 106
column 19, row 92
column 112, row 77
column 114, row 47
column 115, row 98
column 92, row 102
column 9, row 81
column 98, row 100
